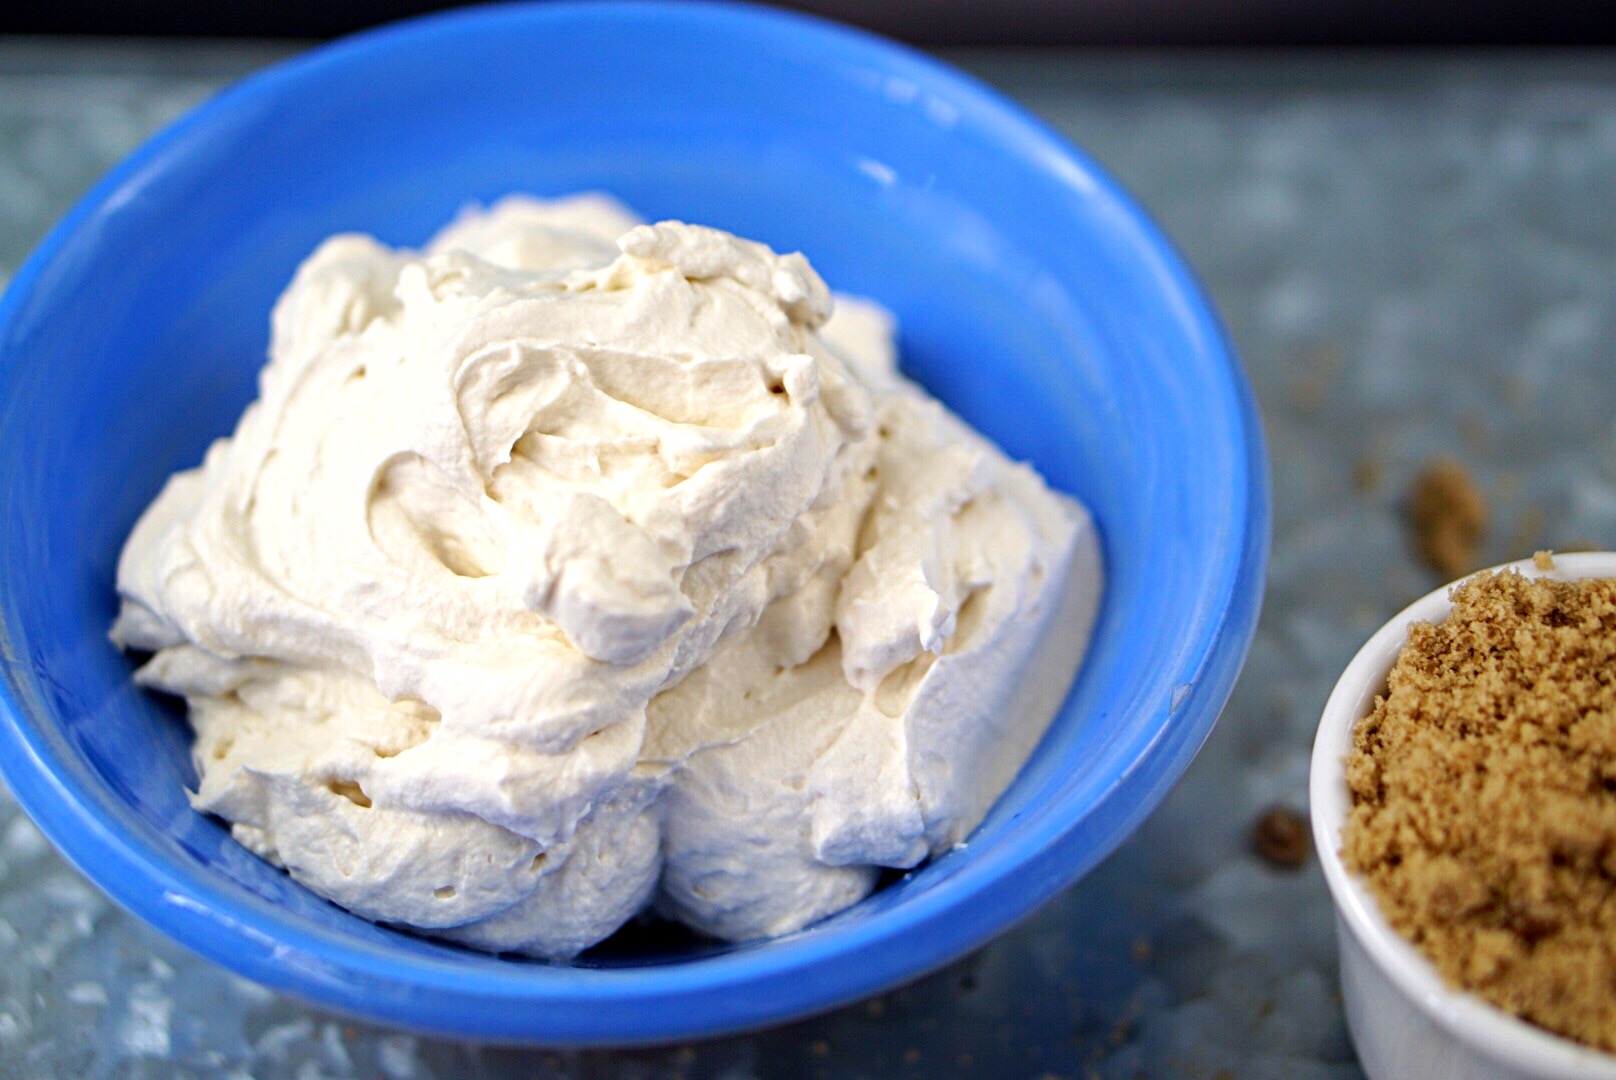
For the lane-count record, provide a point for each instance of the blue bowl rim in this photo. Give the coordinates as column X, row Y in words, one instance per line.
column 630, row 1005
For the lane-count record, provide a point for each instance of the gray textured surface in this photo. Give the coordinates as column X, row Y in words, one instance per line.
column 1414, row 256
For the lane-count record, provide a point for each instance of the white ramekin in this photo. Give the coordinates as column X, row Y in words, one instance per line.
column 1406, row 1022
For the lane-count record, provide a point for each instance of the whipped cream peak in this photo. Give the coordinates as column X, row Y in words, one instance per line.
column 700, row 253
column 572, row 564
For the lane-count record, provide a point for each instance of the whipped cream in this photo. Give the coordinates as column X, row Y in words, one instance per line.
column 572, row 564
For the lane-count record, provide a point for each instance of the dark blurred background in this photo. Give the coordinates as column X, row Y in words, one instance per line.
column 1121, row 23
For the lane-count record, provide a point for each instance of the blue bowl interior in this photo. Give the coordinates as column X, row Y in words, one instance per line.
column 1032, row 297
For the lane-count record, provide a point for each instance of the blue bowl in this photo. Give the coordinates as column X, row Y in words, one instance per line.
column 1035, row 299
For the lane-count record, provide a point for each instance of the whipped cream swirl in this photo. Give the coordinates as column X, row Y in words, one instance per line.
column 571, row 565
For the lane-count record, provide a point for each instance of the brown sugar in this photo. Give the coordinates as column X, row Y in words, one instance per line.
column 1484, row 799
column 1448, row 514
column 1279, row 837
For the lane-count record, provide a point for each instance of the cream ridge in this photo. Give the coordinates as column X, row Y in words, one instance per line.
column 572, row 565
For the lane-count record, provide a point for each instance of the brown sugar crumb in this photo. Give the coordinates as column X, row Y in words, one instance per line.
column 1319, row 366
column 1279, row 837
column 1366, row 473
column 1449, row 516
column 1484, row 799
